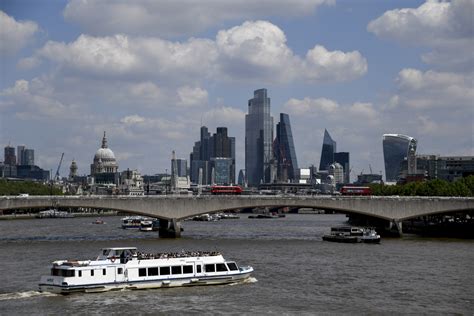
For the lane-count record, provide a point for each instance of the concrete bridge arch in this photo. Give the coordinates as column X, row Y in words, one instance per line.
column 173, row 208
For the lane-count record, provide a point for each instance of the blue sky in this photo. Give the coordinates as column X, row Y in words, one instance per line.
column 148, row 72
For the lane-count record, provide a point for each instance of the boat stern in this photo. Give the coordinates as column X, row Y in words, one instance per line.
column 52, row 284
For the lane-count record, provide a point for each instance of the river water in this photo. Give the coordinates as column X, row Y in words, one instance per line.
column 295, row 271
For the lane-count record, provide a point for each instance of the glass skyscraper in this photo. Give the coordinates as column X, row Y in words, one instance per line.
column 343, row 159
column 327, row 152
column 219, row 145
column 397, row 148
column 258, row 139
column 284, row 150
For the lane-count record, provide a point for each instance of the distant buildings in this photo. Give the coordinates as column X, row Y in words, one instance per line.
column 327, row 151
column 284, row 151
column 179, row 182
column 343, row 158
column 337, row 172
column 21, row 164
column 213, row 158
column 104, row 160
column 329, row 156
column 258, row 139
column 9, row 156
column 25, row 156
column 449, row 168
column 396, row 149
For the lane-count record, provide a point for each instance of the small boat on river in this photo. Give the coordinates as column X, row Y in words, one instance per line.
column 54, row 213
column 349, row 234
column 133, row 222
column 126, row 268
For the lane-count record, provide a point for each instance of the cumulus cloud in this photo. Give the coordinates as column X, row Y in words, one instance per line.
column 254, row 51
column 14, row 35
column 447, row 27
column 168, row 18
column 308, row 105
column 433, row 89
column 189, row 96
column 363, row 110
column 225, row 115
column 324, row 65
column 32, row 102
column 132, row 119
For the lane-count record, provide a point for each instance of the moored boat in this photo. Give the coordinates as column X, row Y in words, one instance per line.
column 349, row 234
column 54, row 213
column 132, row 222
column 126, row 268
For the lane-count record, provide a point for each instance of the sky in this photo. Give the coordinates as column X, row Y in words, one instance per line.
column 150, row 73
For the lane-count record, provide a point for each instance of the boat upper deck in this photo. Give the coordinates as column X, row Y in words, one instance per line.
column 126, row 254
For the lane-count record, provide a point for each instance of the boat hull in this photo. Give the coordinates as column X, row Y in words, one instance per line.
column 143, row 285
column 343, row 239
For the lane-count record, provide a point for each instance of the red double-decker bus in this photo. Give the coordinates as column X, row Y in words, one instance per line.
column 226, row 189
column 352, row 190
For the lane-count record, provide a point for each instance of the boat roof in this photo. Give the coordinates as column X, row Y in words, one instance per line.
column 120, row 248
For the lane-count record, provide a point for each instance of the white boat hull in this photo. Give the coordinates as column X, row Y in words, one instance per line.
column 143, row 285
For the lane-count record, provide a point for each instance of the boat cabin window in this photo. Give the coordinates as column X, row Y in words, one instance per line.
column 210, row 268
column 176, row 270
column 198, row 268
column 62, row 272
column 142, row 272
column 221, row 267
column 232, row 266
column 80, row 273
column 187, row 269
column 152, row 271
column 119, row 271
column 104, row 271
column 164, row 270
column 92, row 272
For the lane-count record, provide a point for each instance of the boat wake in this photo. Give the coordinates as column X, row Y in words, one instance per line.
column 247, row 280
column 22, row 295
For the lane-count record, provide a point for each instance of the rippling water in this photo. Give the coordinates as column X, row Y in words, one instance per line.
column 295, row 271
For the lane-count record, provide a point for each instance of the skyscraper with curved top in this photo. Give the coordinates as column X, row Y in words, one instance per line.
column 397, row 148
column 258, row 139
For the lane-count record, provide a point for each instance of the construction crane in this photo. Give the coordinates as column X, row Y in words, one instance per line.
column 56, row 177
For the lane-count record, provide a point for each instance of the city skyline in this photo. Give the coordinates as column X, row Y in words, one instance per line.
column 360, row 70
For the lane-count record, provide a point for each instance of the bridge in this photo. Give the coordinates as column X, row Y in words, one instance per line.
column 171, row 209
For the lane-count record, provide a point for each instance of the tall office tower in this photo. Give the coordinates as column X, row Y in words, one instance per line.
column 19, row 154
column 182, row 165
column 219, row 145
column 242, row 181
column 224, row 147
column 258, row 139
column 327, row 152
column 397, row 148
column 343, row 159
column 284, row 150
column 9, row 156
column 206, row 146
column 28, row 157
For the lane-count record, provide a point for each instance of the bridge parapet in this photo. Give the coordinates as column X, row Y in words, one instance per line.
column 179, row 207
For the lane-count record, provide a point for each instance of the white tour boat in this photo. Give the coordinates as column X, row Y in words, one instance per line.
column 132, row 222
column 125, row 268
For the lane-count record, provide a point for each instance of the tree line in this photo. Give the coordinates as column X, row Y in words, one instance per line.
column 437, row 187
column 29, row 187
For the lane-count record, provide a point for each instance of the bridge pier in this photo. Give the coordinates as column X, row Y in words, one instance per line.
column 170, row 228
column 395, row 227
